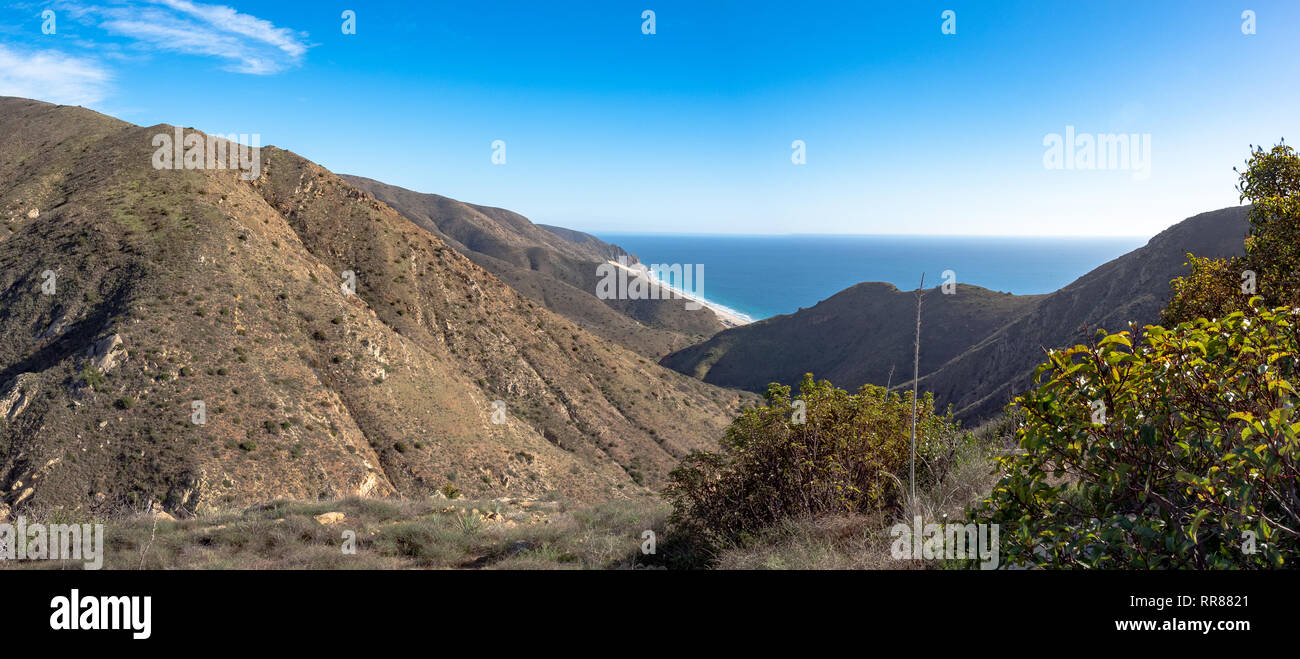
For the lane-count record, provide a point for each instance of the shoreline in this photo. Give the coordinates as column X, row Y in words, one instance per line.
column 727, row 316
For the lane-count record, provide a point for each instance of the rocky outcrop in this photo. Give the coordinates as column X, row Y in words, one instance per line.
column 330, row 518
column 16, row 395
column 374, row 485
column 106, row 353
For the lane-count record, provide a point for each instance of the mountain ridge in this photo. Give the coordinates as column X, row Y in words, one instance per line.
column 555, row 267
column 975, row 362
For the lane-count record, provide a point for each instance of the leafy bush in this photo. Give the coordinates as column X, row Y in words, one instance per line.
column 1171, row 453
column 844, row 457
column 1211, row 290
column 1271, row 183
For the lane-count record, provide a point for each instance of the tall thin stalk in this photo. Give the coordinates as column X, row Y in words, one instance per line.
column 916, row 375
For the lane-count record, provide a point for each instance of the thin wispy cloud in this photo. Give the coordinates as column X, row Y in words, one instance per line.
column 228, row 19
column 246, row 43
column 52, row 76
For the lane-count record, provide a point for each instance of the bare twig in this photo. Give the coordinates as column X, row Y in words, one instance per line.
column 147, row 545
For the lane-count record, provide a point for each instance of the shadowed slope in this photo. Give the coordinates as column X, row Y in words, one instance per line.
column 858, row 335
column 1132, row 288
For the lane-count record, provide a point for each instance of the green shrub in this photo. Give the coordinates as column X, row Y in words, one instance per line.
column 1171, row 453
column 1217, row 287
column 1211, row 290
column 469, row 523
column 846, row 456
column 92, row 377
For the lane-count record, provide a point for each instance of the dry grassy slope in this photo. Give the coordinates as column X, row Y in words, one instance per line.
column 554, row 267
column 227, row 292
column 496, row 232
column 588, row 312
column 857, row 335
column 587, row 242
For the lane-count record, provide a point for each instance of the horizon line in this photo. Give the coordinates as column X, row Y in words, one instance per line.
column 840, row 235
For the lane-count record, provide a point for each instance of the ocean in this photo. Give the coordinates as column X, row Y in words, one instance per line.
column 763, row 276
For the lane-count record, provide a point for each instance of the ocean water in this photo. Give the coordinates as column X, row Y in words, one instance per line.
column 762, row 276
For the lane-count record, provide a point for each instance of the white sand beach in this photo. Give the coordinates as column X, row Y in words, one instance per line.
column 728, row 317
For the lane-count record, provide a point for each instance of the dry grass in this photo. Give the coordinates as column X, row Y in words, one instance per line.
column 842, row 542
column 862, row 542
column 390, row 534
column 511, row 534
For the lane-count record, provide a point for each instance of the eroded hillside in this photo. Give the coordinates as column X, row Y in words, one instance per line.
column 173, row 286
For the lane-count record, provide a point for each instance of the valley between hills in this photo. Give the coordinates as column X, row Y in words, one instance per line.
column 473, row 360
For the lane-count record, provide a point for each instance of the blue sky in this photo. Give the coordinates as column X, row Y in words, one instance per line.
column 907, row 130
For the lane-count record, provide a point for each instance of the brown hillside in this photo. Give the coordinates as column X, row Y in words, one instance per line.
column 554, row 267
column 182, row 285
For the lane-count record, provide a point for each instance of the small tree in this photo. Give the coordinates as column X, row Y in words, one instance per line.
column 1272, row 183
column 1214, row 288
